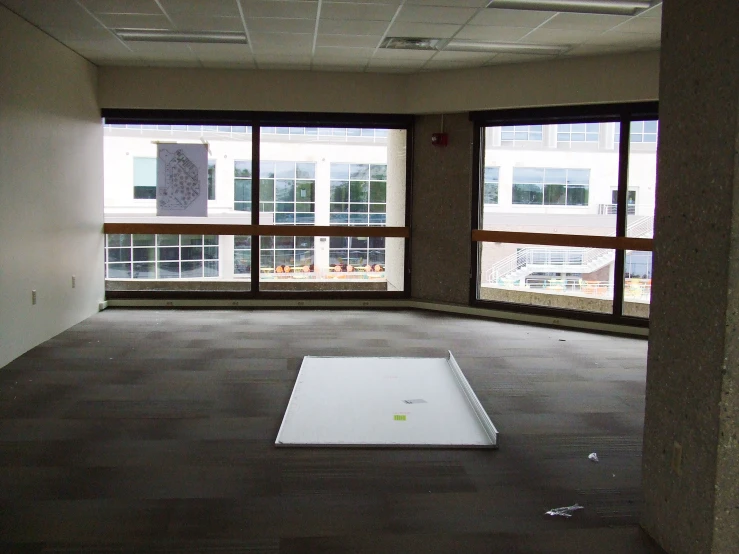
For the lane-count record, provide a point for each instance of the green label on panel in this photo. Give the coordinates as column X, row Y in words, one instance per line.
column 399, row 417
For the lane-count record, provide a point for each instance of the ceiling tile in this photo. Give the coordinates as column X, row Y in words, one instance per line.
column 65, row 34
column 429, row 30
column 283, row 59
column 248, row 64
column 127, row 21
column 429, row 14
column 617, row 39
column 390, row 69
column 60, row 13
column 378, row 63
column 282, row 42
column 450, row 3
column 280, row 25
column 651, row 25
column 168, row 50
column 558, row 37
column 446, row 65
column 349, row 41
column 518, row 58
column 339, row 64
column 189, row 23
column 514, row 18
column 339, row 52
column 339, row 27
column 656, row 11
column 122, row 6
column 595, row 49
column 502, row 34
column 391, row 55
column 100, row 48
column 456, row 56
column 354, row 11
column 285, row 9
column 222, row 52
column 208, row 8
column 585, row 21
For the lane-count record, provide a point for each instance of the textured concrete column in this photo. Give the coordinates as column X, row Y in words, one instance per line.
column 691, row 454
column 440, row 243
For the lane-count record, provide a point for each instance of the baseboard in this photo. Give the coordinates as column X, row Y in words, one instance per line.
column 457, row 309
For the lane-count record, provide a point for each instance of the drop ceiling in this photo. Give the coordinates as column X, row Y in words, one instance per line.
column 323, row 35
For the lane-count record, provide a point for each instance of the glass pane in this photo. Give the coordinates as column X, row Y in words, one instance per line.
column 551, row 276
column 119, row 271
column 292, row 264
column 637, row 283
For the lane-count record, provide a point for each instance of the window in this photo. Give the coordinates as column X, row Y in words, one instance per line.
column 287, row 190
column 161, row 256
column 630, row 202
column 286, row 254
column 358, row 252
column 521, row 133
column 551, row 186
column 242, row 255
column 358, row 194
column 578, row 132
column 638, row 265
column 211, row 179
column 145, row 178
column 490, row 185
column 639, row 131
column 242, row 185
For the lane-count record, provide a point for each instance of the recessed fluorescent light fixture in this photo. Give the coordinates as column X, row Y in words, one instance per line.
column 411, row 43
column 438, row 44
column 148, row 35
column 503, row 47
column 607, row 7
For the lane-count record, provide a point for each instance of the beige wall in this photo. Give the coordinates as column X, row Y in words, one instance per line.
column 51, row 175
column 617, row 78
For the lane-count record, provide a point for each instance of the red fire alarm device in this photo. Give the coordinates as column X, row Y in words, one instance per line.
column 439, row 139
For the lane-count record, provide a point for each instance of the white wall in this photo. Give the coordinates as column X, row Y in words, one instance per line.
column 51, row 173
column 584, row 80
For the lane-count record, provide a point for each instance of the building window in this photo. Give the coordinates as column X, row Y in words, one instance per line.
column 242, row 185
column 287, row 190
column 578, row 132
column 358, row 194
column 490, row 185
column 286, row 254
column 638, row 265
column 630, row 201
column 242, row 254
column 161, row 256
column 211, row 179
column 145, row 178
column 550, row 186
column 347, row 254
column 643, row 131
column 523, row 133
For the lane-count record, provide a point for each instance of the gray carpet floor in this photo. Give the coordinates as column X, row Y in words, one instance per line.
column 152, row 431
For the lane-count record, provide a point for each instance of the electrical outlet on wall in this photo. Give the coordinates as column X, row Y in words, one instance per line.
column 33, row 297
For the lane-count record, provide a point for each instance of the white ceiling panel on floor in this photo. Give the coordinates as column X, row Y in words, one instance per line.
column 429, row 14
column 190, row 23
column 585, row 21
column 209, row 8
column 280, row 25
column 341, row 27
column 283, row 8
column 135, row 21
column 493, row 34
column 348, row 41
column 514, row 18
column 425, row 30
column 354, row 11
